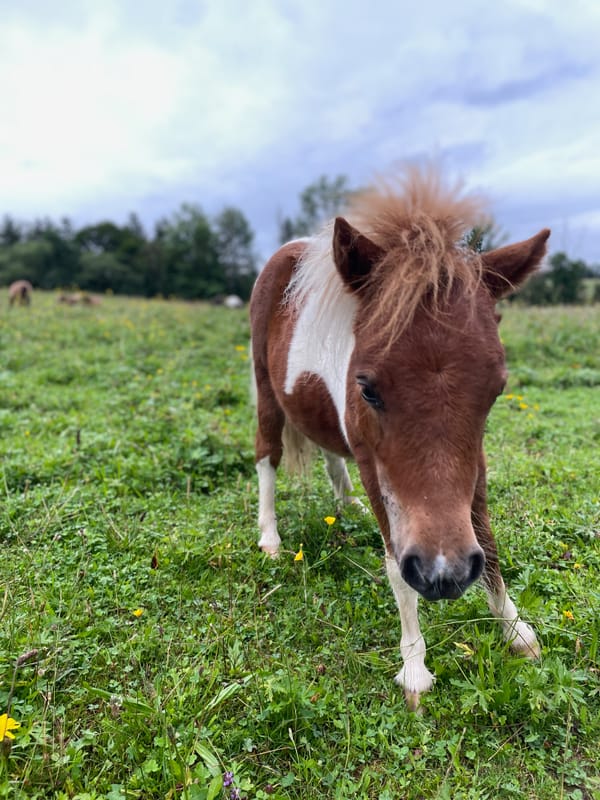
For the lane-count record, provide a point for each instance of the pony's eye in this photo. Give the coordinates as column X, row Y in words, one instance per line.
column 368, row 392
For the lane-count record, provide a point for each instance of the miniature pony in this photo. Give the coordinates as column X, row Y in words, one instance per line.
column 377, row 339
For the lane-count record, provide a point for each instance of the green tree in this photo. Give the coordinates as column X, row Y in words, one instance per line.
column 112, row 257
column 190, row 250
column 49, row 253
column 234, row 244
column 485, row 237
column 562, row 282
column 319, row 202
column 10, row 232
column 567, row 278
column 27, row 260
column 100, row 272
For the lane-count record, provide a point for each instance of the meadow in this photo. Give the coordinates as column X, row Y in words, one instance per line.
column 149, row 650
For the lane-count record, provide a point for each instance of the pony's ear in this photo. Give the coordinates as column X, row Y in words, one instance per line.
column 507, row 268
column 353, row 253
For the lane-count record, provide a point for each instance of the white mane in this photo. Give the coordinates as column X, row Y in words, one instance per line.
column 316, row 280
column 323, row 340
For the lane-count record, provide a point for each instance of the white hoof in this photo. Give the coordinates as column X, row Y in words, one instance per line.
column 415, row 679
column 270, row 550
column 414, row 682
column 522, row 639
column 413, row 701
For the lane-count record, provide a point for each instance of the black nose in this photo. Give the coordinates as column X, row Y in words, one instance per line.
column 441, row 581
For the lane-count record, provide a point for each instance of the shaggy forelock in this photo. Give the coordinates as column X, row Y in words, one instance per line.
column 419, row 222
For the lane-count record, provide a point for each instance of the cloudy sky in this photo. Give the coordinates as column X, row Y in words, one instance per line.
column 112, row 106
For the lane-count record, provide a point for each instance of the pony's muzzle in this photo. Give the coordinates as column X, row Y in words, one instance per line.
column 438, row 579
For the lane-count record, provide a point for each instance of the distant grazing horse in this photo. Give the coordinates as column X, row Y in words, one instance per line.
column 20, row 292
column 378, row 340
column 78, row 298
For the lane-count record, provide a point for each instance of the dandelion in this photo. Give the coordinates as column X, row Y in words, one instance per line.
column 329, row 520
column 240, row 348
column 568, row 615
column 8, row 724
column 300, row 554
column 509, row 396
column 577, row 565
column 523, row 406
column 138, row 612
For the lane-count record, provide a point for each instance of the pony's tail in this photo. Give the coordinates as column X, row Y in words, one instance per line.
column 298, row 451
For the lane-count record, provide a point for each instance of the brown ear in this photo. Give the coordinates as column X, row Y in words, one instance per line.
column 353, row 253
column 507, row 268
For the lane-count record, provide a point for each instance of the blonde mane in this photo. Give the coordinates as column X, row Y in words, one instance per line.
column 419, row 222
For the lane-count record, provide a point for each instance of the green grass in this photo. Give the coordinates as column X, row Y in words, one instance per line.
column 128, row 485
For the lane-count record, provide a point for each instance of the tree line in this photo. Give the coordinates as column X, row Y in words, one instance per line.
column 189, row 255
column 192, row 256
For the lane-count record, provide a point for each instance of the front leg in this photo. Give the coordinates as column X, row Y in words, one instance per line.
column 414, row 677
column 269, row 537
column 340, row 480
column 517, row 633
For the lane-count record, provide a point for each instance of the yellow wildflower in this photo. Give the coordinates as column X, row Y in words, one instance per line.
column 509, row 396
column 299, row 555
column 523, row 406
column 577, row 565
column 138, row 612
column 468, row 651
column 8, row 724
column 329, row 520
column 568, row 615
column 240, row 348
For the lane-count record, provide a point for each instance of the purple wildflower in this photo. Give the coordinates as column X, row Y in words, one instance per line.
column 227, row 778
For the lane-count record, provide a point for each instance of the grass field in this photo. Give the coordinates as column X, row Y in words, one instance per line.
column 169, row 652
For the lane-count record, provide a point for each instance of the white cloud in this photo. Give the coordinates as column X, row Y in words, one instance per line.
column 109, row 107
column 77, row 112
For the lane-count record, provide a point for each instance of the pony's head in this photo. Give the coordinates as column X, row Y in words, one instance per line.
column 426, row 368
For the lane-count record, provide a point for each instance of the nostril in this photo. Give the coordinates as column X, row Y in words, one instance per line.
column 412, row 570
column 477, row 563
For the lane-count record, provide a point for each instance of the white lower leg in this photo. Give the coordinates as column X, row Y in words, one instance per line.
column 414, row 675
column 340, row 479
column 269, row 538
column 517, row 633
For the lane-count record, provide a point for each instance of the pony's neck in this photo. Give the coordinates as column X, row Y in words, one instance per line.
column 323, row 338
